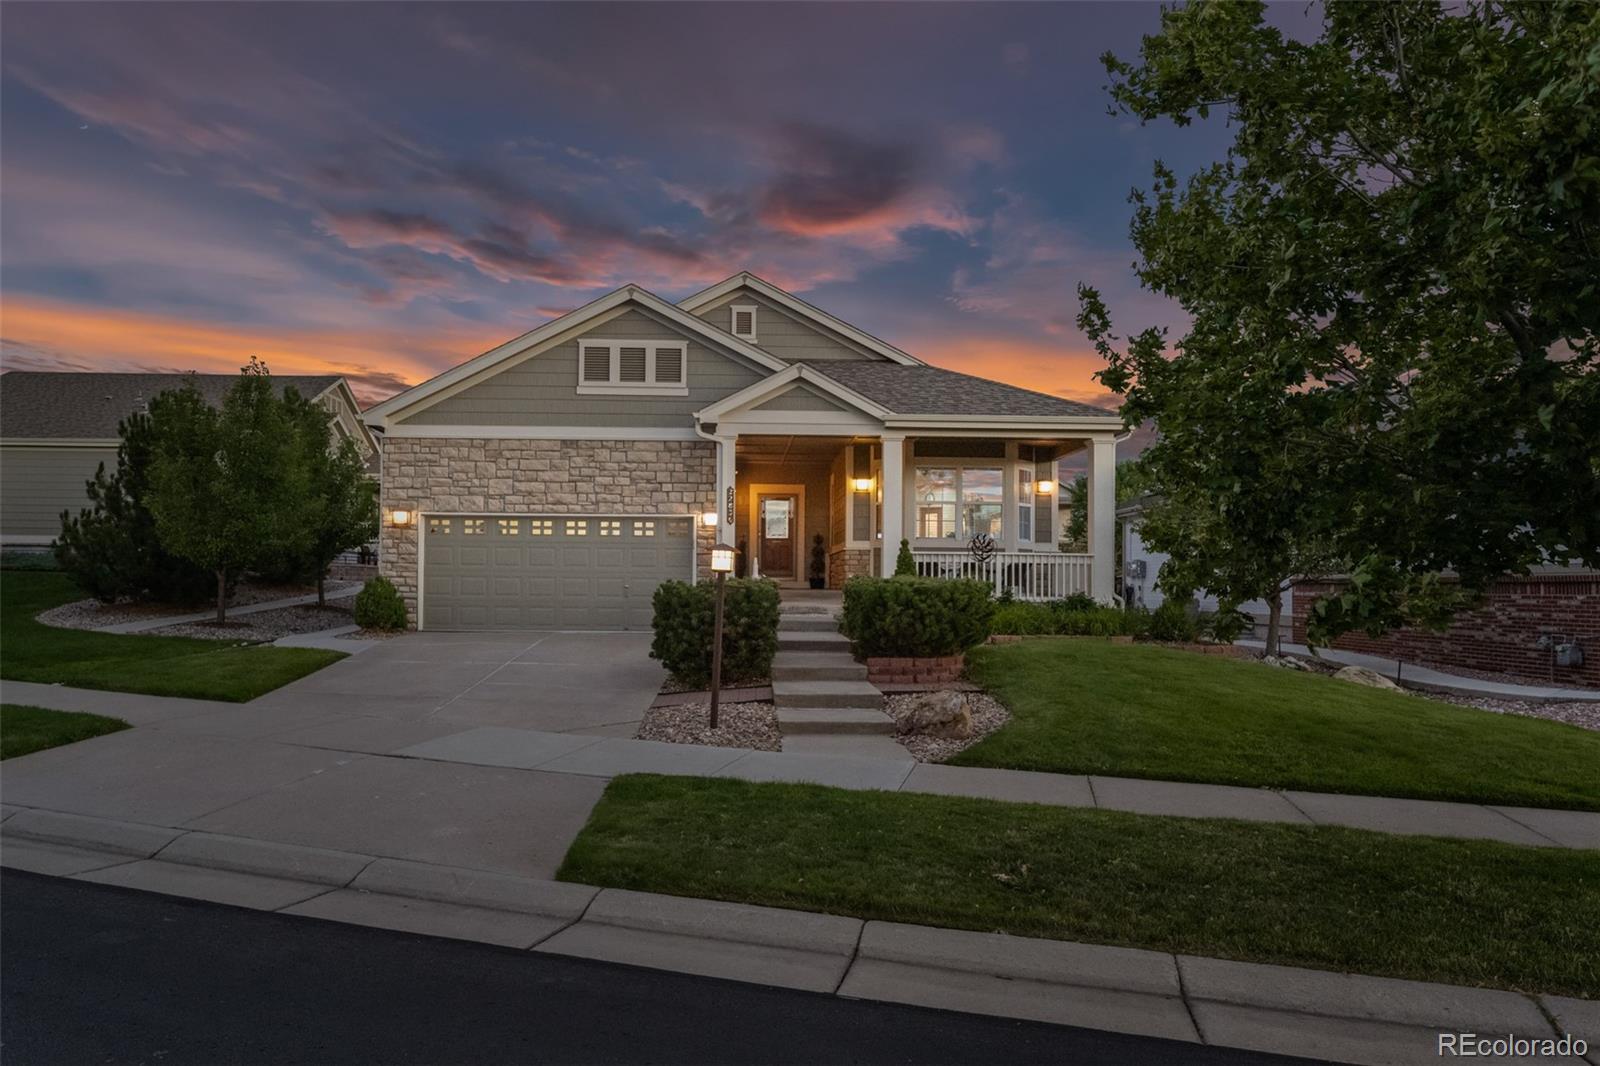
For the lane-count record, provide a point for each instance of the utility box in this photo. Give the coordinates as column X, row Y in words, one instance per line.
column 1569, row 654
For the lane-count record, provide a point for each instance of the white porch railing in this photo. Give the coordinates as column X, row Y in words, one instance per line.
column 1028, row 575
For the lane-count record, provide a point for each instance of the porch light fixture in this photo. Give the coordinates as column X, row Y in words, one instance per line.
column 1045, row 486
column 722, row 566
column 399, row 517
column 722, row 559
column 708, row 518
column 861, row 484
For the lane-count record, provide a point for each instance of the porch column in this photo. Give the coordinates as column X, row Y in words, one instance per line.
column 894, row 501
column 726, row 496
column 1102, row 518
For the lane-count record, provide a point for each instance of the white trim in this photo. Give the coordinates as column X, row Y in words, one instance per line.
column 632, row 388
column 743, row 402
column 733, row 320
column 415, row 397
column 544, row 432
column 793, row 303
column 59, row 442
column 760, row 489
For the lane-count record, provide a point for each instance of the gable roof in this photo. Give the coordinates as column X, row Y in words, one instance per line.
column 932, row 390
column 593, row 309
column 792, row 303
column 88, row 406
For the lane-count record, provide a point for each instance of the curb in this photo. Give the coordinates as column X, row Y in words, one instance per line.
column 1287, row 1010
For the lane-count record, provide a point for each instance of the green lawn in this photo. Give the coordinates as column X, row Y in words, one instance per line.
column 160, row 666
column 24, row 730
column 1468, row 912
column 1130, row 710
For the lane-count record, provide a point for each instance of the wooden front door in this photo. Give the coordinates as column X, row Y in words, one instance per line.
column 775, row 534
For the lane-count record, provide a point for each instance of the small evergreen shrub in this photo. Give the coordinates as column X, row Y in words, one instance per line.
column 685, row 616
column 905, row 564
column 915, row 617
column 1226, row 625
column 379, row 606
column 1172, row 622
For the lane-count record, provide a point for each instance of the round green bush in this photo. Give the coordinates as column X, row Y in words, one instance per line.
column 685, row 617
column 915, row 617
column 379, row 606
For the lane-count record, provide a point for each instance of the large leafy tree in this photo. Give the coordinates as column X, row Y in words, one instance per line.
column 228, row 485
column 1393, row 282
column 341, row 501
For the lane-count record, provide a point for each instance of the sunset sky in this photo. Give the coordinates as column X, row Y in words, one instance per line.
column 385, row 190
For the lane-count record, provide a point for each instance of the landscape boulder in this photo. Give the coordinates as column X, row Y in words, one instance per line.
column 938, row 714
column 1360, row 675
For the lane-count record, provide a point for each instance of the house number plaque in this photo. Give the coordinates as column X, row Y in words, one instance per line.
column 728, row 508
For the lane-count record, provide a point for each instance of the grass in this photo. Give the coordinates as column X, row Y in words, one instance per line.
column 1093, row 707
column 28, row 561
column 25, row 730
column 158, row 666
column 1467, row 912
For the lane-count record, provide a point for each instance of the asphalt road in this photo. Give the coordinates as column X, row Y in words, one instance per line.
column 97, row 974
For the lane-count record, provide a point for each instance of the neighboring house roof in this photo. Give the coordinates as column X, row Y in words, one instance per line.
column 791, row 302
column 89, row 406
column 931, row 390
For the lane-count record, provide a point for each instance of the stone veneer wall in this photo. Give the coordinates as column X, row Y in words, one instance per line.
column 493, row 475
column 845, row 563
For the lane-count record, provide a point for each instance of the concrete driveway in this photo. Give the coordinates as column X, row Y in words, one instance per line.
column 559, row 682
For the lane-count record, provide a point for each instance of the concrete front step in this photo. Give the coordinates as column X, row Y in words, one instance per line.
column 806, row 624
column 817, row 666
column 819, row 720
column 825, row 694
column 802, row 640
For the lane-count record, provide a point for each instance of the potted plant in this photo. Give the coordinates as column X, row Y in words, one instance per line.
column 819, row 563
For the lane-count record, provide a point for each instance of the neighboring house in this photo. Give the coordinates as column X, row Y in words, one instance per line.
column 1141, row 571
column 556, row 480
column 57, row 428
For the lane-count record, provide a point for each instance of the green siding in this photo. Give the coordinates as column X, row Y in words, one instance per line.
column 801, row 398
column 37, row 484
column 784, row 335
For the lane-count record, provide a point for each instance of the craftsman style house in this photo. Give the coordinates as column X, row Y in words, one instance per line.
column 557, row 479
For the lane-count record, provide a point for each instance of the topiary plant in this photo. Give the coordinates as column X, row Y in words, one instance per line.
column 379, row 606
column 819, row 563
column 905, row 564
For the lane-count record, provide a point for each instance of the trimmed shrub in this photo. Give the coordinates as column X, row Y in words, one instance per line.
column 1172, row 622
column 1066, row 618
column 685, row 616
column 379, row 606
column 905, row 564
column 915, row 617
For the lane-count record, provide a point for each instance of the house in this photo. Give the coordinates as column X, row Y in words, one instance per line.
column 1141, row 570
column 554, row 481
column 57, row 428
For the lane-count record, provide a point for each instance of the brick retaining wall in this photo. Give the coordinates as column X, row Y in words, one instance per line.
column 1497, row 637
column 937, row 670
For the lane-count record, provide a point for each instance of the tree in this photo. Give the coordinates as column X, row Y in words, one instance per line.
column 228, row 485
column 341, row 509
column 1393, row 282
column 111, row 548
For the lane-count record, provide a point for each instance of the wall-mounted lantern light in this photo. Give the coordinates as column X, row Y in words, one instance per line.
column 399, row 517
column 1045, row 486
column 708, row 518
column 861, row 484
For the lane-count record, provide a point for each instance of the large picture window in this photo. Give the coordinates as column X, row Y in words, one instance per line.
column 956, row 503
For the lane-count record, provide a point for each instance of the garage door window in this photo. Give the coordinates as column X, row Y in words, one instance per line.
column 609, row 528
column 577, row 528
column 644, row 529
column 472, row 527
column 510, row 527
column 439, row 525
column 541, row 527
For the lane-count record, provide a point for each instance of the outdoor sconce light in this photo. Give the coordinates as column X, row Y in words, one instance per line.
column 400, row 517
column 708, row 518
column 722, row 559
column 1046, row 486
column 861, row 484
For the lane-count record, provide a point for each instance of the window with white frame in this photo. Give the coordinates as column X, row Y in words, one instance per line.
column 744, row 321
column 959, row 502
column 1025, row 502
column 638, row 367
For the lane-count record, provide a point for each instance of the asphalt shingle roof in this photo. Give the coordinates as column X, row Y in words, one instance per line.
column 930, row 390
column 86, row 406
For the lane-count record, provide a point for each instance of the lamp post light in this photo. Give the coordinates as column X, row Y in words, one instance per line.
column 722, row 566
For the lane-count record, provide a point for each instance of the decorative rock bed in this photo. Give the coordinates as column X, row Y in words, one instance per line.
column 740, row 725
column 987, row 715
column 267, row 625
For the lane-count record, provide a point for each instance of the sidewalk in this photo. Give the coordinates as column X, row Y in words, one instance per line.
column 1423, row 675
column 595, row 758
column 1342, row 1017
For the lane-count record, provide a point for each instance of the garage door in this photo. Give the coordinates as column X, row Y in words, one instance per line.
column 533, row 572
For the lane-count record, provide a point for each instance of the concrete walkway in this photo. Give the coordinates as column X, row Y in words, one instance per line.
column 1423, row 675
column 1314, row 1013
column 144, row 625
column 432, row 750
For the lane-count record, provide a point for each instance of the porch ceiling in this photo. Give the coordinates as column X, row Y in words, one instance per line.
column 775, row 449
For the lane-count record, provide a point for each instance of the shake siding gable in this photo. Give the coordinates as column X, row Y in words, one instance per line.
column 781, row 333
column 542, row 390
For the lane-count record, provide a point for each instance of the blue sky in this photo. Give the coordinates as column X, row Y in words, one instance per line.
column 385, row 190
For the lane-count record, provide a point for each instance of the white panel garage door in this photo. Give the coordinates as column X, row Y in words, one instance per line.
column 533, row 572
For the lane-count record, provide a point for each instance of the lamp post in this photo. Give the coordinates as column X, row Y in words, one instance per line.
column 721, row 565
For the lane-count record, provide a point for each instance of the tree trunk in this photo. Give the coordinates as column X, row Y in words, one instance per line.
column 1274, row 622
column 322, row 596
column 222, row 596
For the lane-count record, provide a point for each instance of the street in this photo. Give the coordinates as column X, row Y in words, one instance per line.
column 93, row 973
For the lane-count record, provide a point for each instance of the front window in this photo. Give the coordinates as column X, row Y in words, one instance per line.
column 936, row 502
column 1024, row 503
column 982, row 500
column 959, row 502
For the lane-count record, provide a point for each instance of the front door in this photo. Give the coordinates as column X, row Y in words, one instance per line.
column 775, row 532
